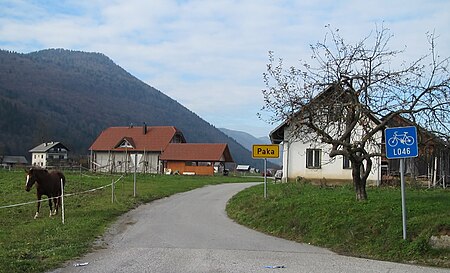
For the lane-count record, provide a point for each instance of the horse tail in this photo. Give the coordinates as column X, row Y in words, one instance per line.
column 61, row 176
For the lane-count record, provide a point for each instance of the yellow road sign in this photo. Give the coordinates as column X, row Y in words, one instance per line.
column 266, row 151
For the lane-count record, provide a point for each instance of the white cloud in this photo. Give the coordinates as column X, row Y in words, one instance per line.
column 207, row 54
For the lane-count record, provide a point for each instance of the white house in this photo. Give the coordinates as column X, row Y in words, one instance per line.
column 312, row 161
column 121, row 149
column 49, row 154
column 305, row 155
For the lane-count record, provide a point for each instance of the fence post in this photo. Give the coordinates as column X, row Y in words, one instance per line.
column 134, row 178
column 112, row 191
column 62, row 201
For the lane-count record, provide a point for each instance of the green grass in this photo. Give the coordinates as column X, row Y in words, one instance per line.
column 28, row 245
column 331, row 217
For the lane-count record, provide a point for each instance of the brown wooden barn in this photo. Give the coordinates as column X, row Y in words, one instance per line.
column 433, row 163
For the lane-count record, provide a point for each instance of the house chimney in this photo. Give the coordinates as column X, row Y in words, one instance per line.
column 145, row 128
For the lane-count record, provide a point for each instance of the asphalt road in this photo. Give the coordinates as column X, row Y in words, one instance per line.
column 190, row 232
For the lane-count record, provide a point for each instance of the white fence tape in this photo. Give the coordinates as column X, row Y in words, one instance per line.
column 65, row 195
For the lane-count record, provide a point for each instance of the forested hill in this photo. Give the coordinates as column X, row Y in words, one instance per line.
column 71, row 96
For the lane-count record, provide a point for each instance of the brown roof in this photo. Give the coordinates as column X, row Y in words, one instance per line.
column 197, row 152
column 156, row 138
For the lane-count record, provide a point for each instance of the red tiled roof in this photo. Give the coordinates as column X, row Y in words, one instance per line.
column 156, row 139
column 197, row 152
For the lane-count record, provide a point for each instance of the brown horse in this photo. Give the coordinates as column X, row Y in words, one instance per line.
column 47, row 183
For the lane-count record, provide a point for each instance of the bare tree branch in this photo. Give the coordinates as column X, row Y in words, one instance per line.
column 337, row 96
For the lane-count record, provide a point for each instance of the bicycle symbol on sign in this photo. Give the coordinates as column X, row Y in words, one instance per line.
column 402, row 138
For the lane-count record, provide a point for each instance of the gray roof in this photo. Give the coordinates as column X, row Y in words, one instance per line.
column 243, row 167
column 44, row 147
column 10, row 159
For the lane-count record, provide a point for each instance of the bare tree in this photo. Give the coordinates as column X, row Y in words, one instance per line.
column 347, row 94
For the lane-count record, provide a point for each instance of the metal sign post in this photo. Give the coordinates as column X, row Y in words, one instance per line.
column 401, row 143
column 265, row 151
column 402, row 179
column 265, row 178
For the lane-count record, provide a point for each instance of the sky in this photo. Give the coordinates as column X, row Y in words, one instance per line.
column 210, row 55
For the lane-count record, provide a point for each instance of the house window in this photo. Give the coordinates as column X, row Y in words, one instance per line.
column 125, row 144
column 346, row 164
column 313, row 158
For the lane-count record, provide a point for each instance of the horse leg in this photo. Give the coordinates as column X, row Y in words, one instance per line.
column 60, row 194
column 38, row 205
column 50, row 205
column 56, row 203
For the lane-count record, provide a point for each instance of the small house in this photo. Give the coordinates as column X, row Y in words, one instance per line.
column 124, row 149
column 49, row 154
column 12, row 161
column 243, row 169
column 308, row 156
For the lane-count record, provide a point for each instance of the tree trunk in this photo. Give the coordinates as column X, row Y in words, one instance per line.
column 359, row 183
column 360, row 190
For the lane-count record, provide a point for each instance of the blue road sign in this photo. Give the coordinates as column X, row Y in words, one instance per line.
column 401, row 142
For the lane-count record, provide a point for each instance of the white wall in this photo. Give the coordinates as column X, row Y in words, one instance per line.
column 294, row 162
column 124, row 162
column 39, row 159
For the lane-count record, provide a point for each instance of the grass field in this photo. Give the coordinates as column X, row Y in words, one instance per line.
column 28, row 245
column 330, row 217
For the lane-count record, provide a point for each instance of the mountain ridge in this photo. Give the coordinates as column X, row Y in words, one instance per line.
column 71, row 96
column 247, row 140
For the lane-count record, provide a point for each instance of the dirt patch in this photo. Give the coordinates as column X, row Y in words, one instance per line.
column 444, row 231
